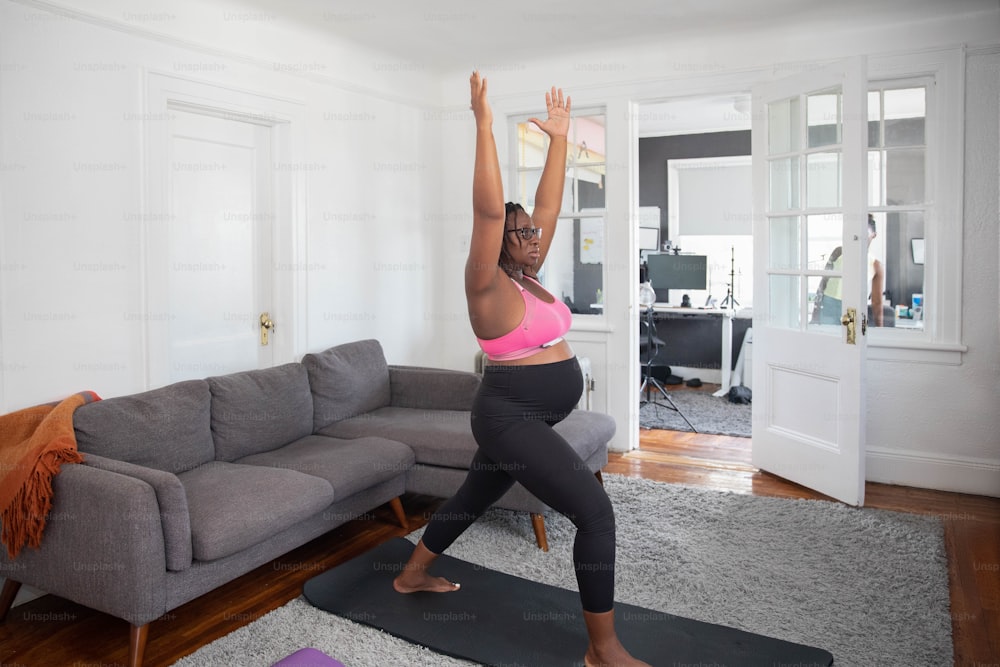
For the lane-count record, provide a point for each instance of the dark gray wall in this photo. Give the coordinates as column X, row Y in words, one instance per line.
column 655, row 151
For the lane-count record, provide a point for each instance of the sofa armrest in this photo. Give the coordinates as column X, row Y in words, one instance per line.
column 172, row 501
column 102, row 546
column 432, row 388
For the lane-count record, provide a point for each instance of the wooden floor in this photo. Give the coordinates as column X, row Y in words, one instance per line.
column 50, row 631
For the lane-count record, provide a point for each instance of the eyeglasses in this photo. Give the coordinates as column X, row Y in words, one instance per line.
column 527, row 233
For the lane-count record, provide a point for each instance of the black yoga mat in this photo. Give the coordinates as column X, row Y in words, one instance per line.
column 499, row 619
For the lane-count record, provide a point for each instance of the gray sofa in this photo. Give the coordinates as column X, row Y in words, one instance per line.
column 189, row 486
column 428, row 409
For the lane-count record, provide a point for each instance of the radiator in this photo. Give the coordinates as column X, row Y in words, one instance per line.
column 588, row 378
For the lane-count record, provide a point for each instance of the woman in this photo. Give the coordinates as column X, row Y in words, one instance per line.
column 531, row 382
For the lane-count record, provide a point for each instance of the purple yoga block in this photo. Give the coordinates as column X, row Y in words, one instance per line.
column 308, row 657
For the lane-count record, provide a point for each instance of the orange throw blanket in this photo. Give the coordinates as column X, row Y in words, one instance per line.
column 34, row 443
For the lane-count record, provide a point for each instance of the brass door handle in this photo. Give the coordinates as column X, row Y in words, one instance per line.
column 849, row 320
column 266, row 324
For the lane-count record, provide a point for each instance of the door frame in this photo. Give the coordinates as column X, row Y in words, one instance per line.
column 285, row 120
column 710, row 86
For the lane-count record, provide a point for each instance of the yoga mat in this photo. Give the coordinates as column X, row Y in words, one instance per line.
column 499, row 619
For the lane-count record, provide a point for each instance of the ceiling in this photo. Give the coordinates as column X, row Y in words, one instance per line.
column 437, row 34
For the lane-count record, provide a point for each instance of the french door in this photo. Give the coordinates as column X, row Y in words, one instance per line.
column 809, row 137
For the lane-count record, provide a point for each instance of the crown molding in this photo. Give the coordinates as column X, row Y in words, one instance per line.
column 145, row 33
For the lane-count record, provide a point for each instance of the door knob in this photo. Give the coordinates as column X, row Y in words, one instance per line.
column 266, row 324
column 849, row 320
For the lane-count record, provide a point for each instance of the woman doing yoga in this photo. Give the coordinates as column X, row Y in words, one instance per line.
column 532, row 380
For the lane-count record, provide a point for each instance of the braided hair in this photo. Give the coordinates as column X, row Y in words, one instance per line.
column 506, row 262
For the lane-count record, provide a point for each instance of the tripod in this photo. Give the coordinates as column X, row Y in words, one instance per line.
column 730, row 299
column 650, row 383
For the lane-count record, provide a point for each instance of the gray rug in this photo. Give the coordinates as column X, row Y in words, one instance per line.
column 708, row 414
column 869, row 586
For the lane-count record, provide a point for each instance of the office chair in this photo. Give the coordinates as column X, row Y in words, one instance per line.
column 650, row 383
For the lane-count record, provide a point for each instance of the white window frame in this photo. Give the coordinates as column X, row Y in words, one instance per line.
column 940, row 341
column 565, row 217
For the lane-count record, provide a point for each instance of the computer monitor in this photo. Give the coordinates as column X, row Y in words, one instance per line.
column 667, row 272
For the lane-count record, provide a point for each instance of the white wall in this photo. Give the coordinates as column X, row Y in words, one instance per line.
column 72, row 161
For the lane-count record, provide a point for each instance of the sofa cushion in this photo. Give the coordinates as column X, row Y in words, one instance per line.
column 349, row 465
column 437, row 437
column 167, row 428
column 588, row 431
column 260, row 410
column 235, row 506
column 432, row 388
column 347, row 380
column 444, row 437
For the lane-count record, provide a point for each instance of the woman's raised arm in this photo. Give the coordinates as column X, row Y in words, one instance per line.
column 548, row 196
column 487, row 197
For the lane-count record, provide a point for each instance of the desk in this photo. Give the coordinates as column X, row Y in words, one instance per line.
column 662, row 311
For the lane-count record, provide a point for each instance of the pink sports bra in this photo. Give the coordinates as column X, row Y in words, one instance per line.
column 543, row 325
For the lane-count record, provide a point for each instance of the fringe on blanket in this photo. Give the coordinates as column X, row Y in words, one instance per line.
column 34, row 443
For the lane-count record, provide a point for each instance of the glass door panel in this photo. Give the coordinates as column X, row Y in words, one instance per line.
column 783, row 126
column 784, row 184
column 784, row 301
column 823, row 180
column 785, row 240
column 823, row 117
column 824, row 235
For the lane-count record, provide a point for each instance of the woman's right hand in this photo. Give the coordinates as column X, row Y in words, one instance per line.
column 480, row 105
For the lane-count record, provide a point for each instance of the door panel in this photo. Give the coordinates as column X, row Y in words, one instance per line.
column 809, row 199
column 218, row 245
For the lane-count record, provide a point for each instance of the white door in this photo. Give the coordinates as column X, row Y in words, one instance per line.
column 809, row 140
column 215, row 260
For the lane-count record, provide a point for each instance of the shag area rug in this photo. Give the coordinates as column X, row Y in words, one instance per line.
column 870, row 586
column 708, row 414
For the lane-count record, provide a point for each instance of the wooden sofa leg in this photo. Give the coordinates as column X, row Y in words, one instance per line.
column 137, row 644
column 10, row 589
column 538, row 523
column 397, row 507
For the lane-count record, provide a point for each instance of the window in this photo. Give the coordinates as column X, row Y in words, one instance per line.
column 574, row 268
column 907, row 201
column 898, row 197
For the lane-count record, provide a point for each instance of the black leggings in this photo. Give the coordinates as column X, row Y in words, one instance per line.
column 512, row 419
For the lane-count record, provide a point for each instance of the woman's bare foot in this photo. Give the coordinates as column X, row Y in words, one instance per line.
column 620, row 659
column 412, row 581
column 414, row 576
column 604, row 649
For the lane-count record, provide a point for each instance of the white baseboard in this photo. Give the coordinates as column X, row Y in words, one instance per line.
column 980, row 477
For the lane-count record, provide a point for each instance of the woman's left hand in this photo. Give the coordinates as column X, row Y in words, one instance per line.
column 557, row 124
